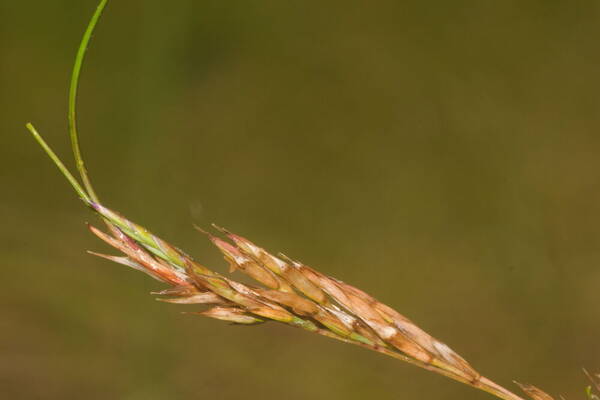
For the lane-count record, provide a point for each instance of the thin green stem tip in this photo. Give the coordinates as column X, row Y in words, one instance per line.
column 80, row 191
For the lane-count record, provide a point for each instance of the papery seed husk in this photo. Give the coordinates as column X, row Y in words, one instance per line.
column 231, row 314
column 534, row 392
column 299, row 304
column 140, row 256
column 238, row 260
column 187, row 290
column 199, row 298
column 406, row 326
column 409, row 348
column 128, row 262
column 280, row 267
column 452, row 358
column 333, row 324
column 273, row 313
column 300, row 282
column 221, row 287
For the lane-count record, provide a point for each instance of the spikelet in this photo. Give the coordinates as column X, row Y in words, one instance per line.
column 534, row 392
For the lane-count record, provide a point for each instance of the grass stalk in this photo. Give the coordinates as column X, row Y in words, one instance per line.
column 73, row 89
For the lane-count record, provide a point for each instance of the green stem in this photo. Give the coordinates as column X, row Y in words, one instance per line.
column 73, row 100
column 59, row 163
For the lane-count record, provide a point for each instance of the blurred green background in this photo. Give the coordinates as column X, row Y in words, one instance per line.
column 442, row 156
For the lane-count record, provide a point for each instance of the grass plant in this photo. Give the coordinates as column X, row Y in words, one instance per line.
column 286, row 290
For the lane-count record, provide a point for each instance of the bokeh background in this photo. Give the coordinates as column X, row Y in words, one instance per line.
column 443, row 156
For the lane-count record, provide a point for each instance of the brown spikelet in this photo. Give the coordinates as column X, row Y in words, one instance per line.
column 198, row 298
column 138, row 256
column 534, row 392
column 187, row 290
column 230, row 314
column 238, row 260
column 291, row 274
column 298, row 304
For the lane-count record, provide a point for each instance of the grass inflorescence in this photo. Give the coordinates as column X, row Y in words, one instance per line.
column 286, row 290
